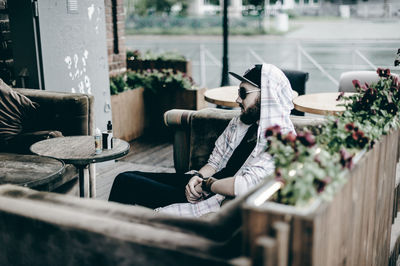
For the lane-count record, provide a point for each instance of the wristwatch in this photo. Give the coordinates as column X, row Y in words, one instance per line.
column 207, row 183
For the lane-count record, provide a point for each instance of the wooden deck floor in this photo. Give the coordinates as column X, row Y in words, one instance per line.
column 145, row 155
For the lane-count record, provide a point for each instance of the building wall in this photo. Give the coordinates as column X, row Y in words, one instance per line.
column 115, row 28
column 6, row 56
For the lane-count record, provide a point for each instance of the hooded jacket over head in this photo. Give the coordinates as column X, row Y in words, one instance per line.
column 276, row 104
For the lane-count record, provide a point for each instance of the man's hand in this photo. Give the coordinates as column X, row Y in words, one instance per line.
column 193, row 190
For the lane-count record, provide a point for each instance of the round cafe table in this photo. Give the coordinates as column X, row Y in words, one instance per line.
column 80, row 151
column 226, row 96
column 30, row 170
column 324, row 103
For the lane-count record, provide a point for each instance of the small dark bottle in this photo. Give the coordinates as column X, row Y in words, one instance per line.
column 108, row 140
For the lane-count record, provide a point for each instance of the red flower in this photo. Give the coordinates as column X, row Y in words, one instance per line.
column 272, row 131
column 384, row 73
column 356, row 135
column 357, row 138
column 341, row 94
column 391, row 108
column 365, row 87
column 349, row 126
column 307, row 139
column 356, row 84
column 278, row 176
column 290, row 137
column 395, row 83
column 346, row 160
column 321, row 183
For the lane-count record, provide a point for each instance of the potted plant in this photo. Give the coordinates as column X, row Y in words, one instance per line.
column 140, row 98
column 336, row 201
column 136, row 61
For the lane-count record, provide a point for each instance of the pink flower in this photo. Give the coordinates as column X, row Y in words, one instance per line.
column 290, row 137
column 349, row 126
column 272, row 131
column 307, row 139
column 384, row 73
column 321, row 183
column 278, row 176
column 356, row 84
column 317, row 160
column 346, row 160
column 341, row 94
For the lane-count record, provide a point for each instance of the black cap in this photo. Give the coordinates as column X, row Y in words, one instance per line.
column 252, row 76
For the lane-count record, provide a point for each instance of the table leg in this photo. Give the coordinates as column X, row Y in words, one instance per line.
column 83, row 180
column 92, row 180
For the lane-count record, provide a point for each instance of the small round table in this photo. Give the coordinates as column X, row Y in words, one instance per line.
column 320, row 103
column 30, row 170
column 226, row 96
column 80, row 151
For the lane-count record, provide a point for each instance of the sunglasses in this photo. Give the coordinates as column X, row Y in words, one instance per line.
column 243, row 93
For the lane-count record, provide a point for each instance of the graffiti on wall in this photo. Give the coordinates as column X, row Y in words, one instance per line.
column 76, row 66
column 94, row 15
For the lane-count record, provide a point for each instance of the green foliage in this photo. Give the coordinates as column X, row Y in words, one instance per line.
column 118, row 84
column 369, row 114
column 153, row 81
column 144, row 7
column 149, row 55
column 314, row 166
column 192, row 25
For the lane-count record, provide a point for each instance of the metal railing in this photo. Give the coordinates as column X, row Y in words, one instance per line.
column 304, row 60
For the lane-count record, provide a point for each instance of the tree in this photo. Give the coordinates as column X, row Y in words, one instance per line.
column 143, row 7
column 253, row 2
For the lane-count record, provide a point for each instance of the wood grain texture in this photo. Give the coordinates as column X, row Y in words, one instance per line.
column 78, row 150
column 128, row 114
column 29, row 170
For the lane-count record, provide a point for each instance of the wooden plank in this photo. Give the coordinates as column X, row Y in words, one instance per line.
column 128, row 114
column 353, row 229
column 267, row 251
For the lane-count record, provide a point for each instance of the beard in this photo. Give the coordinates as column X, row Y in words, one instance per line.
column 251, row 114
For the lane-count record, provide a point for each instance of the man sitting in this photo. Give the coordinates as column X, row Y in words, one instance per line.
column 237, row 163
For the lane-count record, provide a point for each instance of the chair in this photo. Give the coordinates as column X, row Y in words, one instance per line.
column 86, row 231
column 346, row 79
column 68, row 113
column 298, row 80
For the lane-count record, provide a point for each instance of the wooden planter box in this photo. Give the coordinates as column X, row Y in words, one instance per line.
column 182, row 66
column 134, row 112
column 128, row 114
column 353, row 229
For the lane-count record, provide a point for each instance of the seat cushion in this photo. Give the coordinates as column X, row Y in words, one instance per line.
column 15, row 110
column 23, row 141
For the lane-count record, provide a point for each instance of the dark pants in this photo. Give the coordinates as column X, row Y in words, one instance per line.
column 149, row 189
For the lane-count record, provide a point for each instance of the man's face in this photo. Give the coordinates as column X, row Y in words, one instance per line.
column 250, row 105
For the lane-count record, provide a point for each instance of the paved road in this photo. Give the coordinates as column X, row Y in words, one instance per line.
column 337, row 45
column 350, row 29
